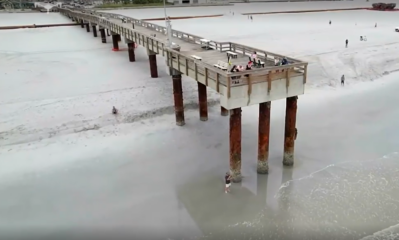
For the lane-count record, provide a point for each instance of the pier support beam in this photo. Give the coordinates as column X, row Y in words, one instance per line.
column 108, row 34
column 82, row 25
column 94, row 28
column 224, row 111
column 130, row 47
column 235, row 144
column 103, row 37
column 87, row 27
column 115, row 38
column 178, row 97
column 263, row 138
column 290, row 131
column 153, row 64
column 203, row 102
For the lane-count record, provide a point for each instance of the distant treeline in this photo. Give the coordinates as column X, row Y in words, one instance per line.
column 16, row 5
column 128, row 2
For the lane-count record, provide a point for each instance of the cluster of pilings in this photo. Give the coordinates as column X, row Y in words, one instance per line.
column 235, row 114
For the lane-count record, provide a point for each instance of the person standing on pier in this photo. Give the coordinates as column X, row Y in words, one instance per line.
column 227, row 179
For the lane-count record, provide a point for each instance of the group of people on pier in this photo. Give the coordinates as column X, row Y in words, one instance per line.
column 254, row 60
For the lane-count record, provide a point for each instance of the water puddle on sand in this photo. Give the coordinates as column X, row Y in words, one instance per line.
column 349, row 200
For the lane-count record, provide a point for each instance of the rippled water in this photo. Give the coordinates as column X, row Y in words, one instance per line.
column 349, row 200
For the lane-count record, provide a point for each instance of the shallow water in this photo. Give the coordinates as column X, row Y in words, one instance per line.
column 348, row 200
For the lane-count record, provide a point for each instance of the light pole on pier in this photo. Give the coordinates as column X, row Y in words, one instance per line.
column 168, row 26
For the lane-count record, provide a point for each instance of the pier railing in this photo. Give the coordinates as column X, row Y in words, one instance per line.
column 187, row 37
column 221, row 81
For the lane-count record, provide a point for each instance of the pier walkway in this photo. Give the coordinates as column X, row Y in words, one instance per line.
column 238, row 89
column 197, row 58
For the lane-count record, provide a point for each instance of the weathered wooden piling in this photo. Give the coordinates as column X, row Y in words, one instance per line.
column 130, row 47
column 263, row 138
column 103, row 37
column 178, row 97
column 202, row 102
column 235, row 144
column 94, row 30
column 290, row 130
column 153, row 64
column 115, row 44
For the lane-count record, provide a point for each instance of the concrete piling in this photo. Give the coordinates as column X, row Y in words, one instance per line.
column 132, row 56
column 94, row 28
column 263, row 138
column 103, row 37
column 153, row 64
column 224, row 111
column 290, row 130
column 235, row 144
column 87, row 27
column 202, row 102
column 82, row 25
column 108, row 34
column 115, row 44
column 178, row 97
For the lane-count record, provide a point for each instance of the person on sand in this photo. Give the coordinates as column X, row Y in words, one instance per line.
column 330, row 22
column 227, row 179
column 343, row 80
column 114, row 110
column 346, row 43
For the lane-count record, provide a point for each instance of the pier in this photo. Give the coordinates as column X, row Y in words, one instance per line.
column 206, row 61
column 38, row 26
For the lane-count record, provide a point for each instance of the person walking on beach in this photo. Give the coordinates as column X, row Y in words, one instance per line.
column 346, row 43
column 343, row 80
column 227, row 179
column 114, row 110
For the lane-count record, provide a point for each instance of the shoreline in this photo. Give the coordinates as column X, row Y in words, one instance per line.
column 257, row 13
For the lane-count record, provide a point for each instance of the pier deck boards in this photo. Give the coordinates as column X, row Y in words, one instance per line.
column 210, row 56
column 237, row 89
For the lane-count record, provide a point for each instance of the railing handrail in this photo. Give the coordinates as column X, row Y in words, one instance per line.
column 119, row 16
column 204, row 65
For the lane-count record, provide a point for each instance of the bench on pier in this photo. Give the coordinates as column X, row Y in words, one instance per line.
column 260, row 63
column 231, row 54
column 205, row 43
column 196, row 57
column 222, row 65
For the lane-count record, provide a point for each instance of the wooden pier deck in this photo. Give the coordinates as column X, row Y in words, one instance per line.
column 259, row 85
column 237, row 89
